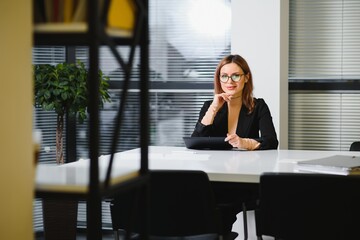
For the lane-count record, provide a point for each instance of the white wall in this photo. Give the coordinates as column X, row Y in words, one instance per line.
column 260, row 35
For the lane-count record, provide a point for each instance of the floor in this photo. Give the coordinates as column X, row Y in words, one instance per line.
column 239, row 227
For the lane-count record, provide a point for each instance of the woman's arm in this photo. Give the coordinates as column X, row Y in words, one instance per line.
column 203, row 130
column 268, row 138
column 261, row 122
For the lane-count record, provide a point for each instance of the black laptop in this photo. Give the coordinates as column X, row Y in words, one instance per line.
column 212, row 143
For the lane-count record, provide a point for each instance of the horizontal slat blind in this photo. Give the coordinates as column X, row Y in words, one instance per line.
column 323, row 121
column 314, row 121
column 188, row 38
column 324, row 40
column 350, row 119
column 173, row 115
column 324, row 46
column 351, row 40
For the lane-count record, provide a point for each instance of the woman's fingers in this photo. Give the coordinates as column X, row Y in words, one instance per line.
column 234, row 140
column 226, row 97
column 220, row 99
column 230, row 137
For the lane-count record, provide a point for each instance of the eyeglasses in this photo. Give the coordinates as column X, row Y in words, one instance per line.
column 235, row 77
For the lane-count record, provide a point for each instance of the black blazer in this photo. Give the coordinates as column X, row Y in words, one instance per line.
column 249, row 125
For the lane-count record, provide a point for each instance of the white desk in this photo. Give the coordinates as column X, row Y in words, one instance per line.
column 226, row 166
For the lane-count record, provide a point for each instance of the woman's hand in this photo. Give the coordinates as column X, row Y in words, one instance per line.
column 234, row 140
column 242, row 143
column 217, row 103
column 219, row 100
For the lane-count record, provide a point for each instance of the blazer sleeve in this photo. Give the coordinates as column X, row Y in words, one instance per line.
column 268, row 138
column 202, row 130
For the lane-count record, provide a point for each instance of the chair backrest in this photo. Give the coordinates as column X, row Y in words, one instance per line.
column 181, row 204
column 308, row 206
column 355, row 146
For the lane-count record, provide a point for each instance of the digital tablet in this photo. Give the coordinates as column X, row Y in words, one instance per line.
column 214, row 143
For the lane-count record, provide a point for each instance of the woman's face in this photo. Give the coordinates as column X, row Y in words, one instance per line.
column 233, row 72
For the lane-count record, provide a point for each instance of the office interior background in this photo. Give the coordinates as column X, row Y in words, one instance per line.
column 187, row 41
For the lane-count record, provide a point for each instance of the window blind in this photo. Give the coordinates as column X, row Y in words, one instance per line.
column 326, row 120
column 324, row 46
column 324, row 40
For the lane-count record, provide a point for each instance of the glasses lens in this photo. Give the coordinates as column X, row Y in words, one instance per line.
column 224, row 78
column 235, row 77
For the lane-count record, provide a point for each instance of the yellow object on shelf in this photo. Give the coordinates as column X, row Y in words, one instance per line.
column 68, row 10
column 121, row 14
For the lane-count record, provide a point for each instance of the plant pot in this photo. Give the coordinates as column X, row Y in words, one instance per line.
column 60, row 219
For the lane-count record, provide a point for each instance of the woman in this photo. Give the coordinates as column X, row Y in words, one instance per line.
column 244, row 121
column 234, row 113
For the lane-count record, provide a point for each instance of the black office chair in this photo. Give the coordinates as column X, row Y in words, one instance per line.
column 355, row 146
column 295, row 206
column 181, row 206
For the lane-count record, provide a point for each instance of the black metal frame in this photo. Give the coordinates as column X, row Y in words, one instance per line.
column 70, row 120
column 325, row 85
column 95, row 37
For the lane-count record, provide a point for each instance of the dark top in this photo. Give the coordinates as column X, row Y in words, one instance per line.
column 257, row 125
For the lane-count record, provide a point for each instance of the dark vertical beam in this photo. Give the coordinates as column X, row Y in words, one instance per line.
column 144, row 91
column 144, row 115
column 94, row 198
column 70, row 120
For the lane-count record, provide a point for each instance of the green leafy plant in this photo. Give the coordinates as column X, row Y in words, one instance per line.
column 63, row 89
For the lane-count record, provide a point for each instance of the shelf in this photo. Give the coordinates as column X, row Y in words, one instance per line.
column 74, row 179
column 86, row 180
column 75, row 34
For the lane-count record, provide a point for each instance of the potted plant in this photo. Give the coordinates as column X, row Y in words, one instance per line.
column 63, row 88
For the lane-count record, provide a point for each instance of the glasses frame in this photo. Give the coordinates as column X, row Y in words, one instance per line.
column 231, row 77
